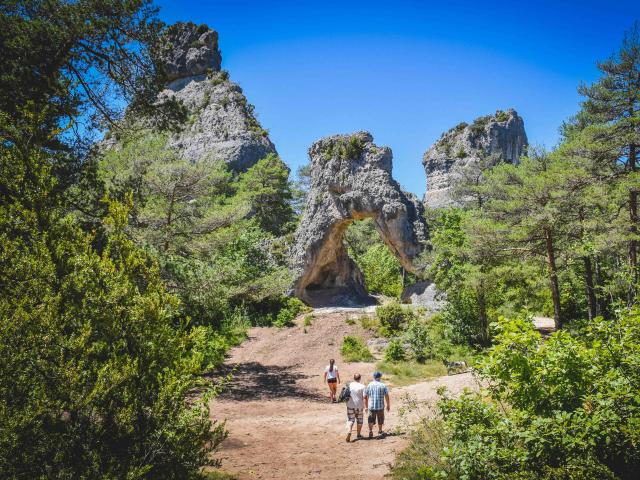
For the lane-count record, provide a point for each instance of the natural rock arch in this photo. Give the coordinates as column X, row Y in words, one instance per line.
column 351, row 180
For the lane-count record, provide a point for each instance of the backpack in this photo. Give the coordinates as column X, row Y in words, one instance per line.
column 345, row 394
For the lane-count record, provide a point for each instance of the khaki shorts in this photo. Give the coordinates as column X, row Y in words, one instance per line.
column 355, row 414
column 376, row 415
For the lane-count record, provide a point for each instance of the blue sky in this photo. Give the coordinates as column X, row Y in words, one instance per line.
column 407, row 70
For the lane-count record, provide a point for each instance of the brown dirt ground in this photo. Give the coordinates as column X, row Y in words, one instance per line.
column 281, row 424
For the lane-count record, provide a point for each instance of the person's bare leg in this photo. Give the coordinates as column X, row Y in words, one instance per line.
column 359, row 429
column 371, row 430
column 350, row 428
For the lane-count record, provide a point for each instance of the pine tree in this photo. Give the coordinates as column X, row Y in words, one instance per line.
column 613, row 104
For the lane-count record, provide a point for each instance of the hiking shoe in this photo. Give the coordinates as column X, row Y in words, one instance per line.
column 348, row 437
column 381, row 434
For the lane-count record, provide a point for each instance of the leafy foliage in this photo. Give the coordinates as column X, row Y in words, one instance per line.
column 393, row 317
column 354, row 349
column 573, row 407
column 395, row 350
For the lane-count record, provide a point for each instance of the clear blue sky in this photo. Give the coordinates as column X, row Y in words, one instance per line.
column 407, row 70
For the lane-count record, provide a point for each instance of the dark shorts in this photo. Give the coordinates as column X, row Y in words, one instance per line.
column 376, row 416
column 332, row 380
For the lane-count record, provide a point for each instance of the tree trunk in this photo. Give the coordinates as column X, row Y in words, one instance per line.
column 553, row 278
column 591, row 293
column 600, row 306
column 482, row 314
column 633, row 217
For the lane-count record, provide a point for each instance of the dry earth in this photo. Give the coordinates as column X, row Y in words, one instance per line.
column 281, row 424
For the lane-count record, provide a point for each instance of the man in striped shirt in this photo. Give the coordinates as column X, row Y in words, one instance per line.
column 375, row 396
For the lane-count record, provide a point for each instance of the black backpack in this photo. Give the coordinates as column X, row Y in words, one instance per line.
column 345, row 394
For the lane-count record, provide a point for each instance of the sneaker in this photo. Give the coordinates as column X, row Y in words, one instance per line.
column 348, row 437
column 381, row 434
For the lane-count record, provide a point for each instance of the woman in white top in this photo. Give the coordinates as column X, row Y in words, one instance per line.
column 332, row 377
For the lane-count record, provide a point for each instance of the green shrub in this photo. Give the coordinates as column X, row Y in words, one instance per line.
column 208, row 347
column 395, row 351
column 350, row 321
column 290, row 309
column 565, row 407
column 355, row 350
column 369, row 323
column 393, row 317
column 381, row 270
column 419, row 340
column 308, row 320
column 501, row 116
column 461, row 153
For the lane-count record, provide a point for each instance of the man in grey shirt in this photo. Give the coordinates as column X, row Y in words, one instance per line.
column 355, row 406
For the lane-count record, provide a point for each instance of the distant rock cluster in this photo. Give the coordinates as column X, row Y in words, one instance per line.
column 487, row 140
column 351, row 180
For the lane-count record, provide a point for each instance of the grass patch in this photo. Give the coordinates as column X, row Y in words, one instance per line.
column 308, row 320
column 369, row 323
column 355, row 350
column 350, row 321
column 403, row 373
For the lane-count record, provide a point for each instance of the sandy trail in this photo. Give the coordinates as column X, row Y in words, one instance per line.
column 281, row 424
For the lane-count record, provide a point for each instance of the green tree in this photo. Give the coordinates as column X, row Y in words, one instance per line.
column 529, row 207
column 93, row 375
column 268, row 191
column 612, row 105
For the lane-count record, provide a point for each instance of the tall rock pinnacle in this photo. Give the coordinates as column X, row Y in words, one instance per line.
column 493, row 138
column 221, row 123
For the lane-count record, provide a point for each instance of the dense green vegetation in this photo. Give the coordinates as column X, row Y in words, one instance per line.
column 382, row 271
column 555, row 235
column 125, row 273
column 354, row 349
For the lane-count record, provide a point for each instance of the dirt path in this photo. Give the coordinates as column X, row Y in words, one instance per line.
column 281, row 424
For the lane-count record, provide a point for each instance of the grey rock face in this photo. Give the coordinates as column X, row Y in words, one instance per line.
column 190, row 50
column 222, row 125
column 350, row 180
column 424, row 294
column 496, row 138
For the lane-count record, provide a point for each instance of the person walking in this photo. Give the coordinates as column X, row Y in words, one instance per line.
column 355, row 406
column 332, row 377
column 375, row 396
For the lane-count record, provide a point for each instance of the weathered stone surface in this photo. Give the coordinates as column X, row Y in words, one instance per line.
column 496, row 138
column 350, row 180
column 190, row 50
column 424, row 294
column 222, row 124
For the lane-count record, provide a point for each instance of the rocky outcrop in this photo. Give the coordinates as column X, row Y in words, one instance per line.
column 485, row 142
column 221, row 123
column 424, row 294
column 350, row 180
column 190, row 50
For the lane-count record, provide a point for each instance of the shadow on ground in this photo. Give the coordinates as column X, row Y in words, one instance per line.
column 254, row 381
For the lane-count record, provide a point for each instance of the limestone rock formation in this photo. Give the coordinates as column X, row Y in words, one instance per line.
column 222, row 124
column 350, row 180
column 424, row 294
column 190, row 50
column 488, row 140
